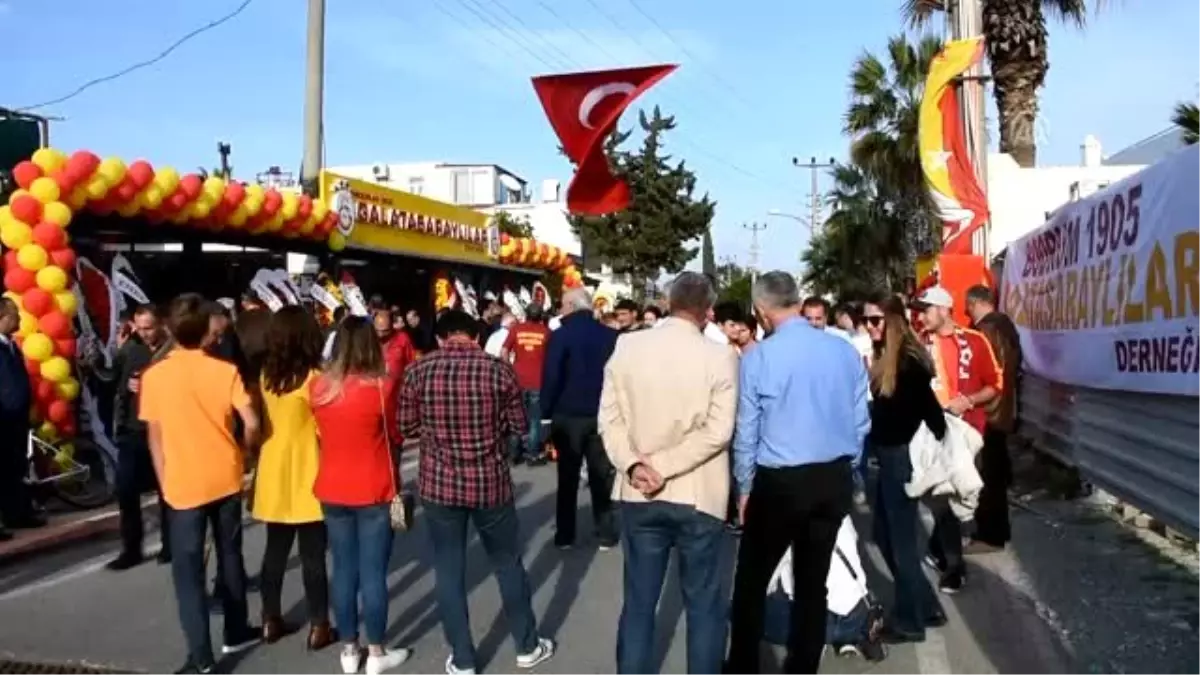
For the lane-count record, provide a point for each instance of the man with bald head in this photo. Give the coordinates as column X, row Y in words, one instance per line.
column 571, row 380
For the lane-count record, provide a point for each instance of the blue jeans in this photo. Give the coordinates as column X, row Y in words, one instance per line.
column 650, row 531
column 497, row 528
column 360, row 542
column 187, row 571
column 530, row 445
column 839, row 630
column 895, row 530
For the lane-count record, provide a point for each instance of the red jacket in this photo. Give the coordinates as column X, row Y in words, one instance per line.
column 398, row 355
column 965, row 363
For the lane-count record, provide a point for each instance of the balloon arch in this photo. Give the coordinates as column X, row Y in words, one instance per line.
column 39, row 263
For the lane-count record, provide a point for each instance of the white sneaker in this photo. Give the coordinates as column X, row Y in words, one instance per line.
column 542, row 652
column 351, row 658
column 451, row 669
column 390, row 658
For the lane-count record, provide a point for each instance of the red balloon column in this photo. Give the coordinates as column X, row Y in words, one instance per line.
column 525, row 252
column 39, row 264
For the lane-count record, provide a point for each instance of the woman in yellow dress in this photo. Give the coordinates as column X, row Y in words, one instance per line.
column 287, row 468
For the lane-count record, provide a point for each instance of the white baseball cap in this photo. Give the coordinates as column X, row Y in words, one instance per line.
column 934, row 296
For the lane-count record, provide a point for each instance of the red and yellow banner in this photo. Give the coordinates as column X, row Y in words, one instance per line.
column 945, row 160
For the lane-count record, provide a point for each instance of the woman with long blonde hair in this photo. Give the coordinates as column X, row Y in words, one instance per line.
column 355, row 485
column 902, row 399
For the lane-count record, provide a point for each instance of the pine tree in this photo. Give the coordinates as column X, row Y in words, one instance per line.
column 708, row 260
column 663, row 215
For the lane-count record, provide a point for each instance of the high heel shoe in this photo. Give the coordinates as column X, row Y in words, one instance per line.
column 273, row 629
column 320, row 636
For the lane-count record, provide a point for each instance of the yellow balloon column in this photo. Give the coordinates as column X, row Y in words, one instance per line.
column 525, row 252
column 39, row 264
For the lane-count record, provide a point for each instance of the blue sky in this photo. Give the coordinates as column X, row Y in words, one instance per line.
column 448, row 80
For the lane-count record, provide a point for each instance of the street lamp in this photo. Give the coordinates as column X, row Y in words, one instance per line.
column 784, row 214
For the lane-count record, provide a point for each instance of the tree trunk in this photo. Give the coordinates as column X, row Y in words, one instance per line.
column 1015, row 39
column 1016, row 101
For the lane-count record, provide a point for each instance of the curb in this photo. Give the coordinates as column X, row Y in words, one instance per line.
column 54, row 535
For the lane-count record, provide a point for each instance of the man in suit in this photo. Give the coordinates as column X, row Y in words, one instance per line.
column 667, row 411
column 16, row 395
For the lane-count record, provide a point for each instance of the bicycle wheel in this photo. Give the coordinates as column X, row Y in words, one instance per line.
column 93, row 488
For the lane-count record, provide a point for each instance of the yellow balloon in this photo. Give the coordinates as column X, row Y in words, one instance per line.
column 77, row 198
column 48, row 432
column 18, row 193
column 48, row 159
column 319, row 211
column 52, row 279
column 6, row 215
column 308, row 225
column 15, row 234
column 291, row 204
column 96, row 187
column 55, row 369
column 238, row 217
column 67, row 302
column 252, row 205
column 44, row 189
column 166, row 179
column 214, row 187
column 68, row 389
column 112, row 169
column 255, row 191
column 28, row 324
column 57, row 213
column 130, row 208
column 32, row 257
column 199, row 209
column 38, row 346
column 337, row 242
column 151, row 197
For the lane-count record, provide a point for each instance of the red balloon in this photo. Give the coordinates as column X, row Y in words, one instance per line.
column 59, row 412
column 126, row 190
column 49, row 236
column 37, row 302
column 140, row 173
column 234, row 194
column 34, row 369
column 55, row 325
column 65, row 348
column 25, row 173
column 176, row 201
column 44, row 392
column 67, row 428
column 504, row 237
column 291, row 226
column 191, row 185
column 18, row 279
column 64, row 180
column 10, row 260
column 64, row 258
column 271, row 203
column 27, row 209
column 304, row 207
column 81, row 165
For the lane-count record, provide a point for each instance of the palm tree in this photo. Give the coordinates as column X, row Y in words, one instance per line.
column 1187, row 118
column 1014, row 34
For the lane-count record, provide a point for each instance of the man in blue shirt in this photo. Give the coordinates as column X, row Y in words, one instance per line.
column 802, row 418
column 570, row 398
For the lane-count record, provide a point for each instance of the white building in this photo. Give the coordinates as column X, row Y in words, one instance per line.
column 1021, row 199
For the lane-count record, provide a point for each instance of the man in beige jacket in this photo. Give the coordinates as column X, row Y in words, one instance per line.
column 667, row 409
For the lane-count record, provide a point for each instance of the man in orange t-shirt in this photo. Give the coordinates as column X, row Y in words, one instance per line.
column 967, row 377
column 525, row 346
column 188, row 401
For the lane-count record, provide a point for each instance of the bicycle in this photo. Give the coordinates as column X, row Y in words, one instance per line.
column 80, row 473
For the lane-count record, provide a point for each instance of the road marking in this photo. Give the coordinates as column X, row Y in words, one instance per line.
column 77, row 572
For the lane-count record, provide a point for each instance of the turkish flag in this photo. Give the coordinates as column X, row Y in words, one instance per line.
column 583, row 109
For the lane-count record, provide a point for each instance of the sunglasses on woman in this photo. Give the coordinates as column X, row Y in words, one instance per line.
column 873, row 320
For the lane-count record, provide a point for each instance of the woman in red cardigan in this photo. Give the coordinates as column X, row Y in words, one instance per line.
column 355, row 485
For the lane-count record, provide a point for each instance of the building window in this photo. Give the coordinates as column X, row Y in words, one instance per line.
column 462, row 186
column 416, row 186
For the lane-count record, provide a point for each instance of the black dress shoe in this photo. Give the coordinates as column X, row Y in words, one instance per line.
column 126, row 561
column 164, row 557
column 936, row 620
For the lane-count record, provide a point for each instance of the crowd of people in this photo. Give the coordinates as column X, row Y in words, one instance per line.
column 686, row 422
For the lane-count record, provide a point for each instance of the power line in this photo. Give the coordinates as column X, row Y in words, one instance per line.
column 506, row 30
column 144, row 64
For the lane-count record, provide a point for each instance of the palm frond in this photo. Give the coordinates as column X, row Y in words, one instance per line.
column 1187, row 118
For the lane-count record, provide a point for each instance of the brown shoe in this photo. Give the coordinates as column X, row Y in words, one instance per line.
column 320, row 636
column 273, row 629
column 976, row 547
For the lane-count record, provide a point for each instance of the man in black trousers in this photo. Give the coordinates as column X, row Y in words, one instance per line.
column 16, row 395
column 571, row 384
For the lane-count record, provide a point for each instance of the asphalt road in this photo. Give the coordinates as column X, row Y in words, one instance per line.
column 65, row 607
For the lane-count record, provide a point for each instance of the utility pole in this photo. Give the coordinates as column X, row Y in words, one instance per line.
column 754, row 228
column 964, row 19
column 224, row 150
column 314, row 98
column 815, row 167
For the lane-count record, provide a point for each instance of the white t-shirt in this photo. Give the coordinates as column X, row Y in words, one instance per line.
column 713, row 332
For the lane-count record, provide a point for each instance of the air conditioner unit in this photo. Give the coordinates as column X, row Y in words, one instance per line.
column 381, row 172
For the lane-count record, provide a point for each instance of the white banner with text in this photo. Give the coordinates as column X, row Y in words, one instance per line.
column 1106, row 294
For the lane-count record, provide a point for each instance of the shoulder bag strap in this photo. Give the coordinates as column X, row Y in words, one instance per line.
column 387, row 435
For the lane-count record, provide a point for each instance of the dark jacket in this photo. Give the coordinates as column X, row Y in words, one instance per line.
column 896, row 418
column 574, row 370
column 1006, row 344
column 133, row 357
column 16, row 394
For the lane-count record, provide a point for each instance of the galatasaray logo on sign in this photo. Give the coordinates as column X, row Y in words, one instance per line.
column 342, row 203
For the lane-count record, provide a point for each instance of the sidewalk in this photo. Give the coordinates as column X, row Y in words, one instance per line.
column 63, row 528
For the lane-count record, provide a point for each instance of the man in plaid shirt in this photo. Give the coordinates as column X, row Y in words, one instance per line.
column 465, row 405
